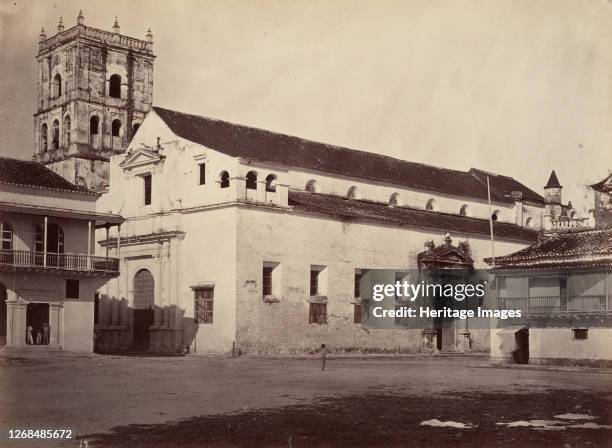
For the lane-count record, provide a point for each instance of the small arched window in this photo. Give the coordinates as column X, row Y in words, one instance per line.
column 431, row 205
column 464, row 210
column 57, row 86
column 94, row 125
column 394, row 199
column 67, row 123
column 271, row 183
column 312, row 186
column 56, row 134
column 529, row 223
column 94, row 129
column 116, row 128
column 6, row 235
column 495, row 215
column 353, row 193
column 251, row 180
column 44, row 137
column 114, row 86
column 224, row 179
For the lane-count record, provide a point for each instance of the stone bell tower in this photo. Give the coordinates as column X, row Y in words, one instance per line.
column 94, row 88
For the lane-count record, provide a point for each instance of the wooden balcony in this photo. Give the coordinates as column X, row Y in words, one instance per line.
column 553, row 305
column 82, row 264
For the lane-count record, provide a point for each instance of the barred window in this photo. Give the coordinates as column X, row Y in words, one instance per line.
column 314, row 282
column 202, row 173
column 580, row 333
column 358, row 276
column 318, row 313
column 357, row 313
column 203, row 305
column 147, row 189
column 267, row 280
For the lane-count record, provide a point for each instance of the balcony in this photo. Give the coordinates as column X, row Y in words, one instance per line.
column 554, row 305
column 83, row 264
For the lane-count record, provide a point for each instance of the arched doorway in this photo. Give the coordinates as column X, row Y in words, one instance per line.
column 3, row 297
column 144, row 290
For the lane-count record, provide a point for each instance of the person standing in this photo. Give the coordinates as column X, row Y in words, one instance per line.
column 46, row 333
column 29, row 339
column 323, row 352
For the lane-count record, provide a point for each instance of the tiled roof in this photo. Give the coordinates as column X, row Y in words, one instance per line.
column 604, row 185
column 270, row 147
column 33, row 174
column 364, row 211
column 586, row 248
column 506, row 186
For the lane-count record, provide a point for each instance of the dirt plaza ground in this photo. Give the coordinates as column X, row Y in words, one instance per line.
column 196, row 401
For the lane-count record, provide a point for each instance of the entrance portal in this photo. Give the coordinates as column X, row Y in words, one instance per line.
column 3, row 298
column 37, row 324
column 144, row 298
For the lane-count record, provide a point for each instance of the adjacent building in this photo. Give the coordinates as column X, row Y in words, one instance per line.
column 48, row 271
column 563, row 286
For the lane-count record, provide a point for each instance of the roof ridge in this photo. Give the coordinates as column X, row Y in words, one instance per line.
column 331, row 145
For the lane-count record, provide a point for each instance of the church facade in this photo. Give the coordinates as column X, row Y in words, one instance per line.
column 245, row 239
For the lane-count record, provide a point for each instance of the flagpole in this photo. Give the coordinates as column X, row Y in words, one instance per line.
column 491, row 223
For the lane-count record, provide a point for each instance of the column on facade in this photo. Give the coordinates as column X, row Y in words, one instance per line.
column 56, row 323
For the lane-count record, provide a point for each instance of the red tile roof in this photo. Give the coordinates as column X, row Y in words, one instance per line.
column 33, row 174
column 270, row 147
column 584, row 248
column 365, row 211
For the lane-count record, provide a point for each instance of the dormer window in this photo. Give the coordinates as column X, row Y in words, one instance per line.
column 431, row 205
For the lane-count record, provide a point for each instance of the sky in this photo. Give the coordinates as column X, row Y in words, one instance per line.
column 516, row 87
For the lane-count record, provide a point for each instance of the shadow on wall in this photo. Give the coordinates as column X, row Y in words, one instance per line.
column 120, row 328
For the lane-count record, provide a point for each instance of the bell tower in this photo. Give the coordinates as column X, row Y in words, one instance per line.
column 94, row 88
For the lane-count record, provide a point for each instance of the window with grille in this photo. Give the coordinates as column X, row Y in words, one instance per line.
column 72, row 289
column 357, row 313
column 6, row 235
column 314, row 282
column 267, row 280
column 144, row 290
column 203, row 305
column 580, row 333
column 202, row 173
column 39, row 244
column 147, row 189
column 318, row 313
column 357, row 288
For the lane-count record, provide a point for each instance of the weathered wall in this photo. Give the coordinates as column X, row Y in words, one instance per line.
column 296, row 242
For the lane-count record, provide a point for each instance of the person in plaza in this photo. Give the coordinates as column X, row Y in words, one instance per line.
column 323, row 352
column 38, row 336
column 29, row 339
column 46, row 333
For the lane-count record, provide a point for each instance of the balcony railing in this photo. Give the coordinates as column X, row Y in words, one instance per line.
column 555, row 304
column 55, row 261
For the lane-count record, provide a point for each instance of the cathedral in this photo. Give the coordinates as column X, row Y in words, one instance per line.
column 238, row 239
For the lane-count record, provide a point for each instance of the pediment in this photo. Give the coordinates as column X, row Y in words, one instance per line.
column 141, row 157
